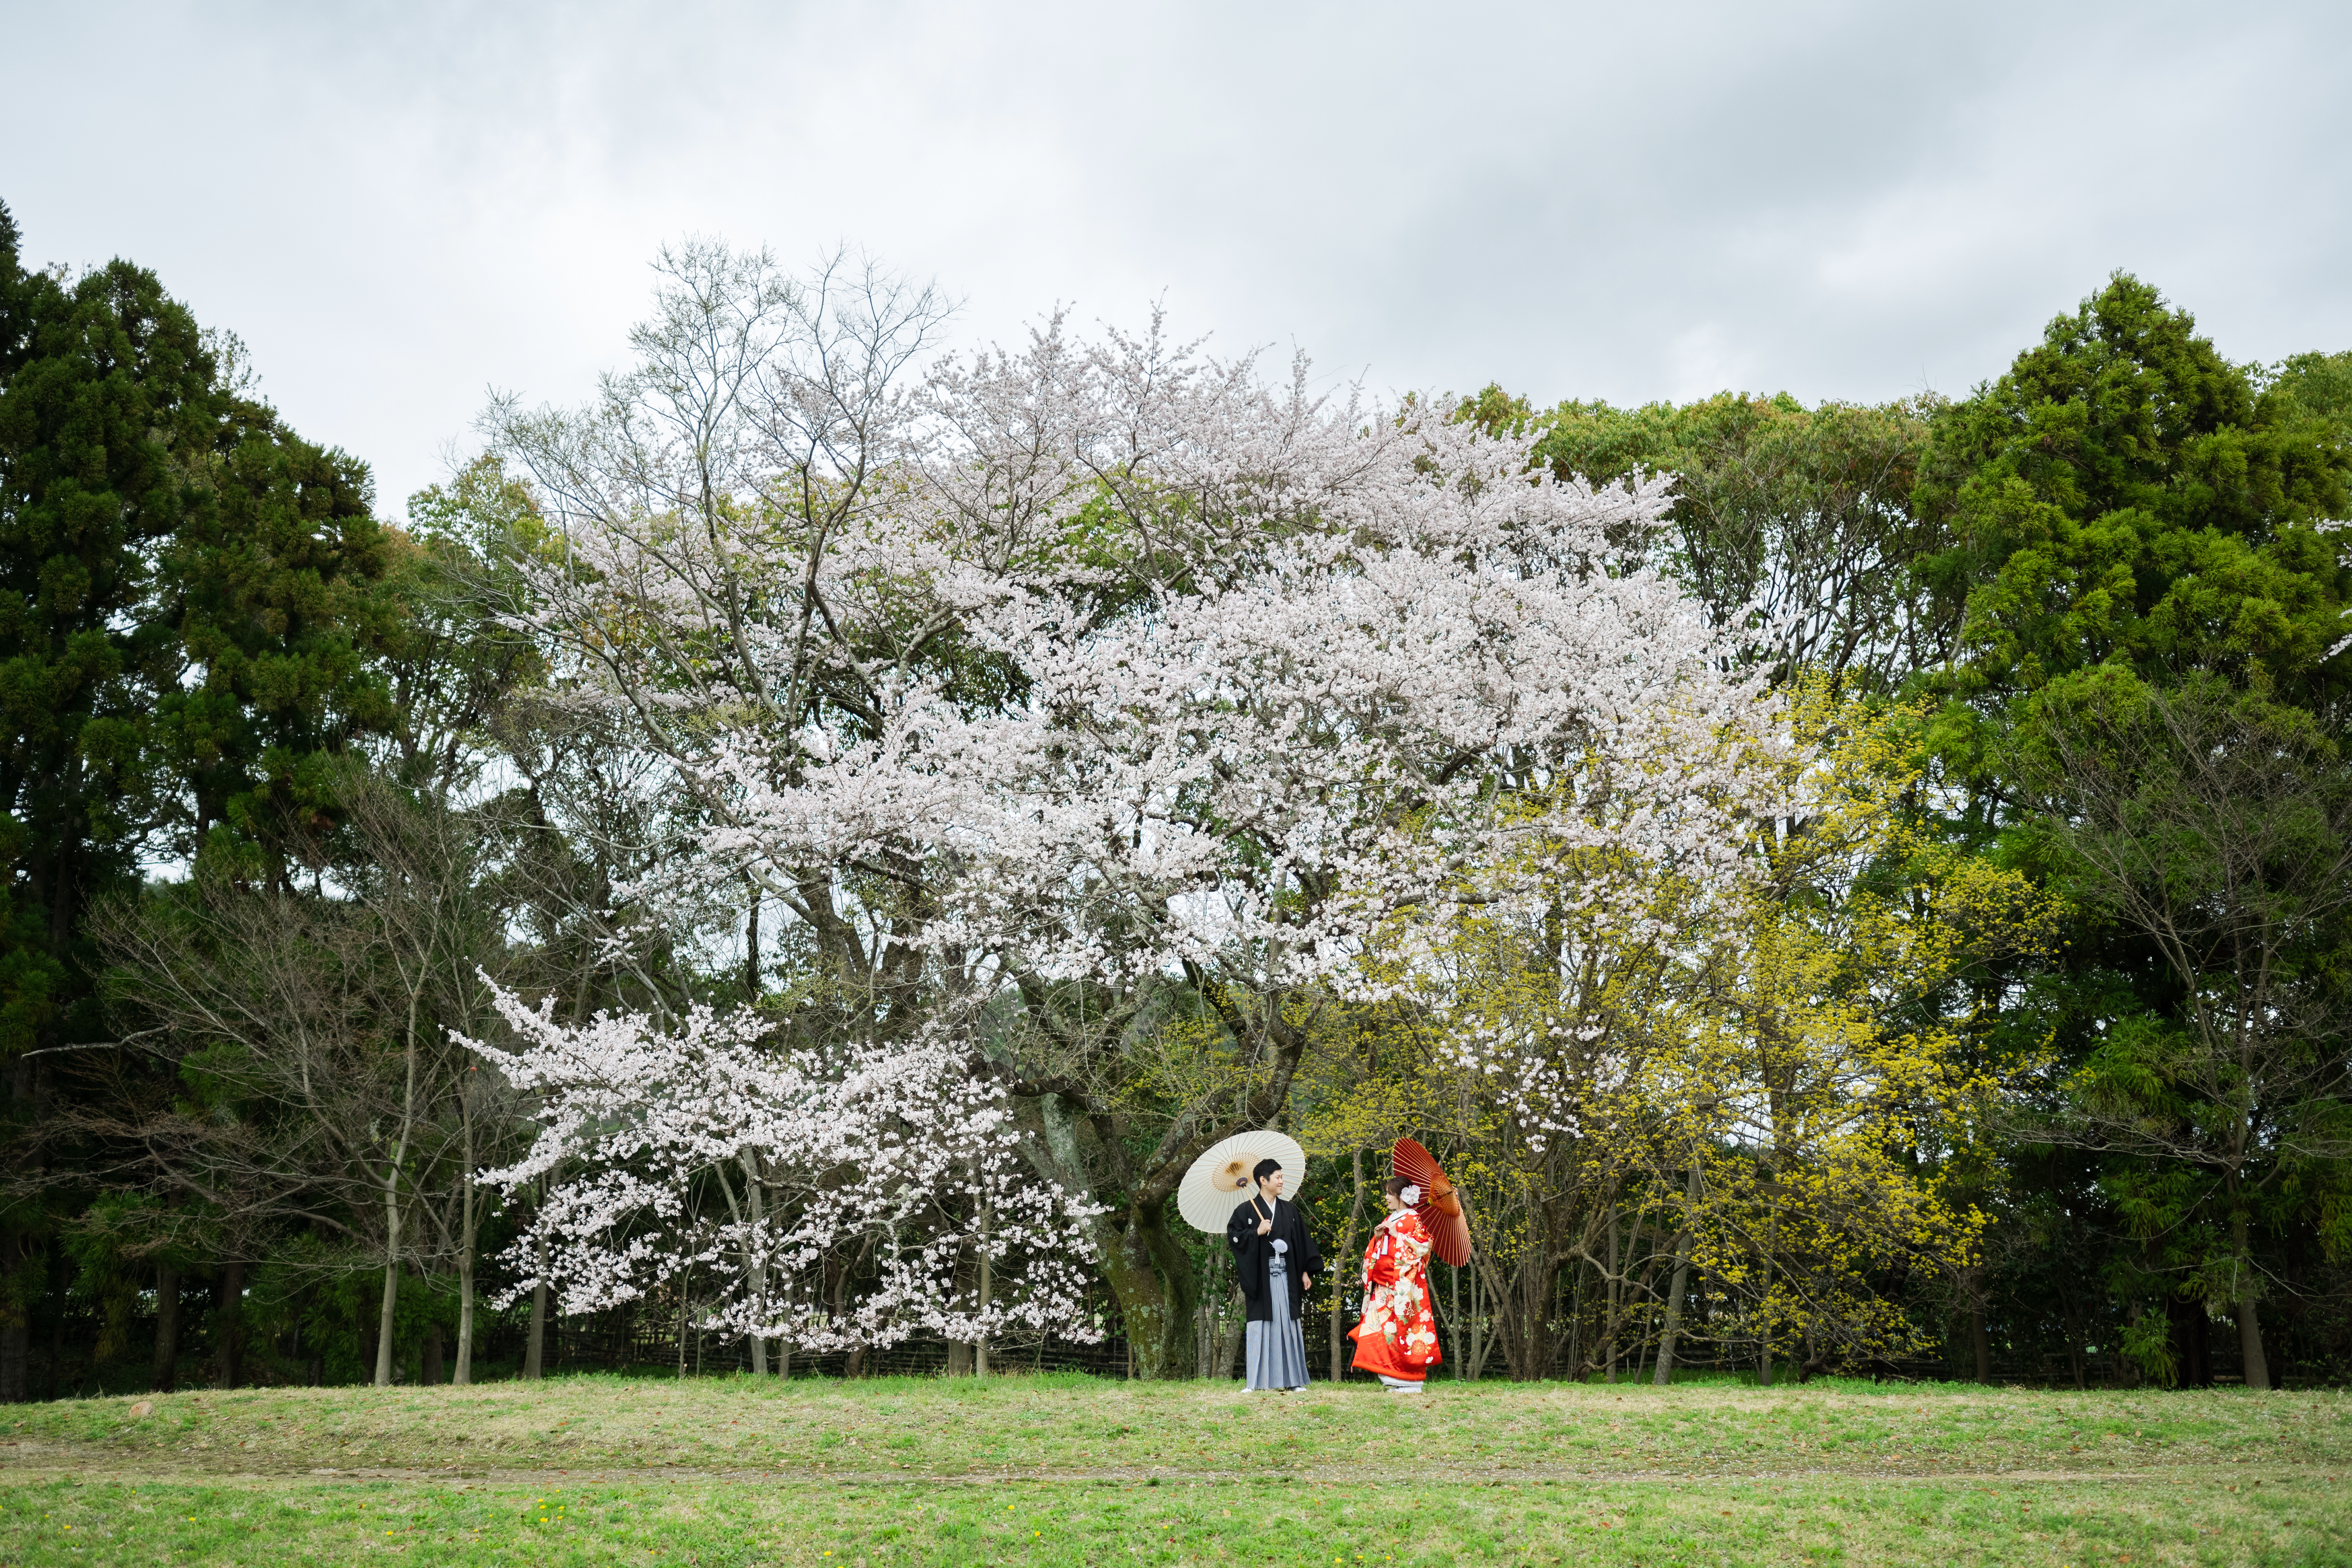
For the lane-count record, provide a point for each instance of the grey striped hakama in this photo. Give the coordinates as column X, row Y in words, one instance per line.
column 1276, row 1351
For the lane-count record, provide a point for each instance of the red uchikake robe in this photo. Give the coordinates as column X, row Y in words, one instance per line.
column 1398, row 1335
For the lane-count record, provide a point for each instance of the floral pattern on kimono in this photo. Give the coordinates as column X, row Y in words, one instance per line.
column 1398, row 1335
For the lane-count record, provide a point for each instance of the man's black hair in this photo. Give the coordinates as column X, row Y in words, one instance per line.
column 1265, row 1168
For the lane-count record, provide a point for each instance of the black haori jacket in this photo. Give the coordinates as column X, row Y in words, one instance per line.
column 1251, row 1252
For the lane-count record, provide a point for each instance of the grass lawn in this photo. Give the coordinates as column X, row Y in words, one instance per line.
column 1052, row 1470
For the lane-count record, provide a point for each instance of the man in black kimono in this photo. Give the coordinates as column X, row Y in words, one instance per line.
column 1276, row 1262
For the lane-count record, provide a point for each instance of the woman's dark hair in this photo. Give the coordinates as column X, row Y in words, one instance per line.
column 1394, row 1186
column 1265, row 1168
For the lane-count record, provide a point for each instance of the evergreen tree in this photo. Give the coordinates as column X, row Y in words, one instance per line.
column 107, row 410
column 106, row 414
column 274, row 589
column 190, row 596
column 2134, row 525
column 2126, row 496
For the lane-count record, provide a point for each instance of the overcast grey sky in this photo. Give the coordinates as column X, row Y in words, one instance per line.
column 399, row 205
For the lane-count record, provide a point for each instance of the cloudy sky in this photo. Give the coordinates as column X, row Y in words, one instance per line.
column 401, row 205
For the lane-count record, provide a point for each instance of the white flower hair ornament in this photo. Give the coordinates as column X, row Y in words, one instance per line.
column 1411, row 1196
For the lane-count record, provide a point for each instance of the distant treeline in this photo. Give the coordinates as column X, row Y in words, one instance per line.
column 2009, row 1034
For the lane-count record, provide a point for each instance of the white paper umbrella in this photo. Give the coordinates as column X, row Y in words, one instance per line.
column 1219, row 1179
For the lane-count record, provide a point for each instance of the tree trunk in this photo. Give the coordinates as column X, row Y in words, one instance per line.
column 1474, row 1336
column 1229, row 1347
column 979, row 1347
column 785, row 1346
column 1204, row 1325
column 1646, row 1342
column 834, row 1299
column 756, row 1199
column 1576, row 1358
column 1338, row 1267
column 1676, row 1290
column 57, row 1326
column 2249, row 1325
column 746, row 1215
column 465, row 1368
column 1148, row 1272
column 469, row 1221
column 1979, row 1340
column 834, row 1281
column 1526, row 1307
column 15, row 1323
column 752, row 943
column 228, row 1324
column 167, row 1329
column 1152, row 1277
column 534, row 1350
column 384, row 1324
column 2249, row 1340
column 392, row 1207
column 1616, row 1294
column 1449, row 1330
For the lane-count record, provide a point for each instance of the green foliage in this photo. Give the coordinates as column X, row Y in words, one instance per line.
column 2145, row 711
column 2102, row 586
column 1791, row 524
column 106, row 413
column 275, row 586
column 188, row 602
column 2215, row 827
column 192, row 608
column 450, row 661
column 2126, row 495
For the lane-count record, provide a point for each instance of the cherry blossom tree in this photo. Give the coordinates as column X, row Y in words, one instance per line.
column 1094, row 669
column 899, row 1149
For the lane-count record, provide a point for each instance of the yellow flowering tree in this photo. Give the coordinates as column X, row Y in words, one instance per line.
column 1682, row 1104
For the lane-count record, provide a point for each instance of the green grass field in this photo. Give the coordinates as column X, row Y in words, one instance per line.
column 1055, row 1470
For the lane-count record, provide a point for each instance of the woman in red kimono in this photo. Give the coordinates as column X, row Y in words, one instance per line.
column 1397, row 1339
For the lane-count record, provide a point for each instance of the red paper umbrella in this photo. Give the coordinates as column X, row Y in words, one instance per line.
column 1441, row 1206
